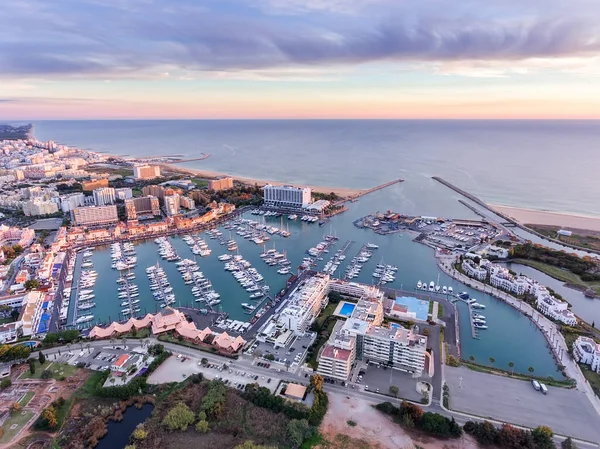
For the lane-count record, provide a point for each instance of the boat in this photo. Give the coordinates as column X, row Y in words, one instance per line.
column 86, row 306
column 84, row 319
column 444, row 290
column 462, row 295
column 477, row 315
column 480, row 326
column 372, row 246
column 431, row 286
column 476, row 305
column 450, row 290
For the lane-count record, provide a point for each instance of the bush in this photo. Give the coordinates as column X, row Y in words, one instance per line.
column 46, row 374
column 5, row 383
column 139, row 433
column 179, row 417
column 202, row 426
column 299, row 430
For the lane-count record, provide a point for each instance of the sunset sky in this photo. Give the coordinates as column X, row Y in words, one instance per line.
column 64, row 59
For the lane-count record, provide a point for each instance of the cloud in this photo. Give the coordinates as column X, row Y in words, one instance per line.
column 145, row 38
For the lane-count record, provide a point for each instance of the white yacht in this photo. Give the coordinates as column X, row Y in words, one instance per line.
column 372, row 246
column 431, row 286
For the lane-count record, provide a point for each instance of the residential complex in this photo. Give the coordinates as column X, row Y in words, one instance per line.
column 145, row 206
column 39, row 206
column 221, row 183
column 305, row 303
column 95, row 216
column 146, row 171
column 587, row 351
column 104, row 196
column 123, row 193
column 287, row 196
column 172, row 204
column 71, row 201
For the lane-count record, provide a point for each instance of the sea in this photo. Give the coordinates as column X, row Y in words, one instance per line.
column 547, row 165
column 538, row 164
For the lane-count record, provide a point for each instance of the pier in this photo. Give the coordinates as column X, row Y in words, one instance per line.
column 371, row 190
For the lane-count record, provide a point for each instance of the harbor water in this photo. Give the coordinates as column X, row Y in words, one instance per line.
column 510, row 336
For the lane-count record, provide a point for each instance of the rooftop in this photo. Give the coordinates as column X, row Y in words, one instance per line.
column 295, row 391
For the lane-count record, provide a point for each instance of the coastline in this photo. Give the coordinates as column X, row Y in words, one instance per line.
column 340, row 191
column 562, row 220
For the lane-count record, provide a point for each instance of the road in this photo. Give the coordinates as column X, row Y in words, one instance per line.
column 246, row 363
column 15, row 264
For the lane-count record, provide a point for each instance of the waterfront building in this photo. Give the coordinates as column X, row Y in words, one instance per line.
column 145, row 206
column 496, row 251
column 104, row 196
column 70, row 201
column 555, row 308
column 95, row 216
column 199, row 196
column 38, row 206
column 220, row 183
column 31, row 313
column 305, row 303
column 287, row 196
column 338, row 355
column 146, row 171
column 172, row 204
column 123, row 193
column 187, row 202
column 587, row 351
column 473, row 270
column 356, row 289
column 89, row 186
column 502, row 278
column 318, row 206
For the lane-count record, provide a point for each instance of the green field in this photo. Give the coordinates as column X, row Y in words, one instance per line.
column 21, row 418
column 559, row 273
column 201, row 183
column 25, row 399
column 58, row 370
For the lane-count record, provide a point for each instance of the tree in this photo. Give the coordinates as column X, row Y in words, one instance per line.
column 531, row 369
column 202, row 426
column 139, row 433
column 32, row 284
column 42, row 358
column 251, row 445
column 542, row 436
column 511, row 365
column 46, row 374
column 32, row 367
column 204, row 361
column 201, row 416
column 568, row 444
column 298, row 430
column 179, row 417
column 14, row 314
column 492, row 361
column 394, row 390
column 472, row 358
column 5, row 383
column 15, row 407
column 317, row 382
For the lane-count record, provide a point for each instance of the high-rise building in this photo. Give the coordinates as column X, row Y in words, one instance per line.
column 172, row 204
column 95, row 216
column 123, row 193
column 143, row 206
column 146, row 171
column 71, row 201
column 104, row 196
column 287, row 196
column 187, row 202
column 305, row 303
column 221, row 183
column 88, row 186
column 39, row 206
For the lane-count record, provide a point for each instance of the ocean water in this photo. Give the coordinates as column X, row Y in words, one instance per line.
column 545, row 165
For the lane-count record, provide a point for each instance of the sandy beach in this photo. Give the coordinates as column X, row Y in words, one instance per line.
column 340, row 191
column 565, row 221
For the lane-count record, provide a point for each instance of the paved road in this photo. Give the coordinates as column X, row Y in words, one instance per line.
column 245, row 362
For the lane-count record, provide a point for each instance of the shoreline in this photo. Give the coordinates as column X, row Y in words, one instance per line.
column 340, row 191
column 547, row 218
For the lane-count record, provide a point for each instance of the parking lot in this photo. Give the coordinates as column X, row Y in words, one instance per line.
column 294, row 352
column 379, row 380
column 99, row 359
column 178, row 368
column 567, row 412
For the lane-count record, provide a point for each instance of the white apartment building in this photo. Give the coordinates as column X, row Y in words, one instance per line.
column 587, row 351
column 305, row 303
column 556, row 309
column 473, row 270
column 172, row 204
column 338, row 355
column 31, row 313
column 501, row 278
column 8, row 333
column 123, row 193
column 146, row 171
column 71, row 201
column 287, row 196
column 104, row 196
column 95, row 216
column 39, row 206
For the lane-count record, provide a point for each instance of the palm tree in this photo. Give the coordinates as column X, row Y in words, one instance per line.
column 88, row 347
column 531, row 369
column 511, row 365
column 472, row 358
column 112, row 341
column 492, row 360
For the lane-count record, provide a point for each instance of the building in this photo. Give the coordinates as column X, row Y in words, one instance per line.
column 555, row 308
column 473, row 270
column 104, row 196
column 89, row 186
column 587, row 351
column 172, row 204
column 39, row 206
column 95, row 216
column 338, row 355
column 295, row 391
column 8, row 333
column 187, row 202
column 220, row 183
column 31, row 313
column 15, row 235
column 305, row 303
column 71, row 201
column 145, row 206
column 287, row 196
column 318, row 206
column 126, row 363
column 146, row 171
column 123, row 193
column 564, row 233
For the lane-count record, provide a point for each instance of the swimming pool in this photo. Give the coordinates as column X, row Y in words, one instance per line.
column 347, row 309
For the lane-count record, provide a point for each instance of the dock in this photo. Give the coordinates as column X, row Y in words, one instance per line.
column 371, row 190
column 474, row 333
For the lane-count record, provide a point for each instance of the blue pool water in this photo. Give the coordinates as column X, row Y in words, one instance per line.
column 418, row 306
column 347, row 309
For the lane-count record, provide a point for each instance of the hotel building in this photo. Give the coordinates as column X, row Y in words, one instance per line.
column 473, row 270
column 305, row 303
column 143, row 206
column 146, row 171
column 221, row 183
column 172, row 204
column 287, row 196
column 104, row 196
column 123, row 193
column 95, row 216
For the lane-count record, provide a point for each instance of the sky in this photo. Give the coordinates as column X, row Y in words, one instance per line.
column 168, row 59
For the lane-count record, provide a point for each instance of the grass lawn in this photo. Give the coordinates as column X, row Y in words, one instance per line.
column 200, row 182
column 593, row 378
column 21, row 418
column 559, row 273
column 58, row 370
column 327, row 312
column 25, row 399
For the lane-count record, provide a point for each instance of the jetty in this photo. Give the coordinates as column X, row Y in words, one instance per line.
column 371, row 190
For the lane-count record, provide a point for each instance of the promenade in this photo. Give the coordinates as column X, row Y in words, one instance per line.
column 550, row 330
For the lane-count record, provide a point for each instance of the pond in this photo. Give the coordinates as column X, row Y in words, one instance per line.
column 119, row 432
